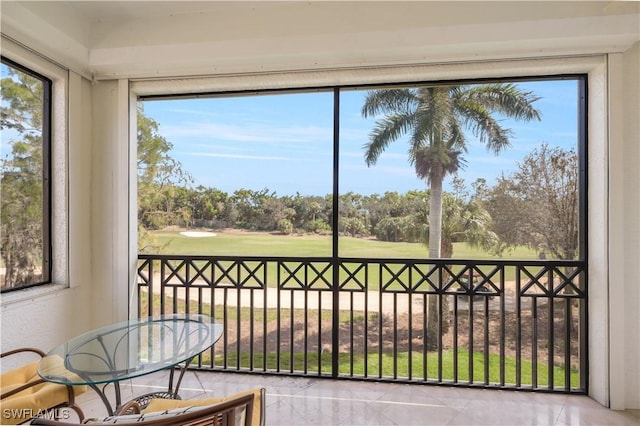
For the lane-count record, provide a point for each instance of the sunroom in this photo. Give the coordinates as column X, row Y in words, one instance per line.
column 98, row 62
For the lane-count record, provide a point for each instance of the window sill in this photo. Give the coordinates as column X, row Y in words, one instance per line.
column 31, row 293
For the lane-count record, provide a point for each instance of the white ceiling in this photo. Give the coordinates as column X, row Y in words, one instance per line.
column 113, row 39
column 430, row 12
column 113, row 11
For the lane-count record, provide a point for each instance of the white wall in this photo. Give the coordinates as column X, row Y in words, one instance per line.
column 632, row 223
column 110, row 207
column 631, row 219
column 44, row 317
column 623, row 292
column 43, row 321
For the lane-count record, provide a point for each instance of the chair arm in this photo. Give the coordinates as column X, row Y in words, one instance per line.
column 21, row 388
column 19, row 350
column 48, row 422
column 131, row 407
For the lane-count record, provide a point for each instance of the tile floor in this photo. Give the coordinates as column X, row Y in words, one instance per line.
column 306, row 401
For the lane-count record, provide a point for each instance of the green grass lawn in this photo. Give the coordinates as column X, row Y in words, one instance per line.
column 263, row 244
column 386, row 365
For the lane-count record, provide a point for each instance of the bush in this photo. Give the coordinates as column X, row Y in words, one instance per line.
column 285, row 226
column 353, row 226
column 389, row 229
column 318, row 226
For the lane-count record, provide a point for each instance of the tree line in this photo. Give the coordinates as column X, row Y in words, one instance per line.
column 535, row 206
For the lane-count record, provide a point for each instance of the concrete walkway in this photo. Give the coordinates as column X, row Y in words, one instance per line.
column 372, row 300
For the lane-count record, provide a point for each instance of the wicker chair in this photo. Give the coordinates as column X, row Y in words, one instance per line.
column 24, row 394
column 244, row 408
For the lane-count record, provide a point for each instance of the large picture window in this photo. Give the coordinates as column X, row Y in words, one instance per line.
column 470, row 170
column 427, row 231
column 25, row 192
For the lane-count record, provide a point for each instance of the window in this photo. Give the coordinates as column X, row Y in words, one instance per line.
column 25, row 191
column 259, row 166
column 499, row 159
column 431, row 232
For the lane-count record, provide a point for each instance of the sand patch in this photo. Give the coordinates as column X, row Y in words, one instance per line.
column 198, row 234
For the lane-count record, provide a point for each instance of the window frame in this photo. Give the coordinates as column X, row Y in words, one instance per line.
column 581, row 79
column 58, row 208
column 599, row 69
column 47, row 85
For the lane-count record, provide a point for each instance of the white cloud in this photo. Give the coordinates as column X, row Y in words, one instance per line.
column 354, row 135
column 250, row 132
column 238, row 156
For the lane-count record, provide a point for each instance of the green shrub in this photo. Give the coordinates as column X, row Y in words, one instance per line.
column 285, row 226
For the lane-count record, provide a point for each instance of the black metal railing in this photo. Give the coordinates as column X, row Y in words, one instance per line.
column 498, row 324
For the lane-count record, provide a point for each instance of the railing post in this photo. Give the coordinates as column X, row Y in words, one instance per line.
column 335, row 360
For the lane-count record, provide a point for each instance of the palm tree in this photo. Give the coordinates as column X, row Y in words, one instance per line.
column 465, row 221
column 435, row 119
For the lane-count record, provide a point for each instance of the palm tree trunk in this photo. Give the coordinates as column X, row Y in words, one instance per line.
column 435, row 235
column 435, row 217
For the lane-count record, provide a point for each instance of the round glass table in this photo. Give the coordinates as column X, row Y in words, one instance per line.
column 130, row 349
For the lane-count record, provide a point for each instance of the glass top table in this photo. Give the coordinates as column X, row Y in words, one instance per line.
column 130, row 349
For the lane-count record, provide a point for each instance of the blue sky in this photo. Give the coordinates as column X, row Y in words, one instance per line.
column 284, row 142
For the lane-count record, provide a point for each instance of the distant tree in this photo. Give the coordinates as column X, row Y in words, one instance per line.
column 255, row 210
column 273, row 211
column 537, row 206
column 390, row 229
column 160, row 178
column 389, row 205
column 353, row 226
column 208, row 206
column 506, row 208
column 312, row 212
column 351, row 205
column 400, row 229
column 314, row 207
column 318, row 226
column 465, row 221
